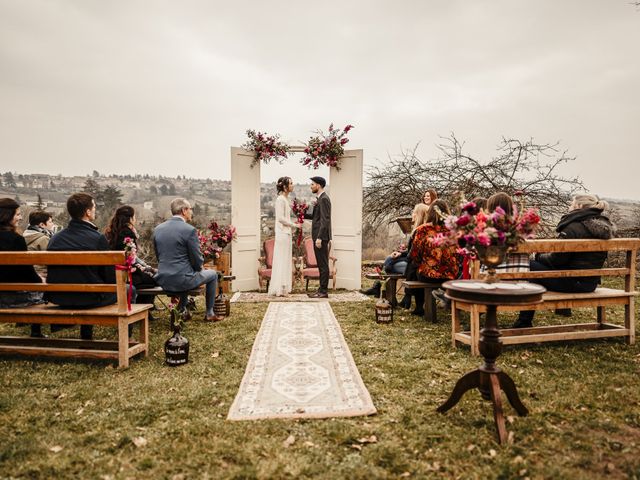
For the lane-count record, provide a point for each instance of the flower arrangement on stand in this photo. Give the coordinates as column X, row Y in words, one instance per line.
column 326, row 149
column 488, row 236
column 266, row 147
column 299, row 208
column 130, row 255
column 215, row 238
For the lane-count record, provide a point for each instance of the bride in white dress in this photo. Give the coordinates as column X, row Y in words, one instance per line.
column 282, row 266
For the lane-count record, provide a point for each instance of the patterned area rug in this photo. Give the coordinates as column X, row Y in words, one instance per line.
column 300, row 367
column 256, row 297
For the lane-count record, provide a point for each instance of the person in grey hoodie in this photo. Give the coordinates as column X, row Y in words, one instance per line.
column 585, row 219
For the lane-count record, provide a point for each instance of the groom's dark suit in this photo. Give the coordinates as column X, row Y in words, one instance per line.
column 321, row 229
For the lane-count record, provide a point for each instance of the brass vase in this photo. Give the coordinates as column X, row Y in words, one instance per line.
column 491, row 257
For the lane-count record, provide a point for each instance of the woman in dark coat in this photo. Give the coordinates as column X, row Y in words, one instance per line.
column 12, row 241
column 121, row 226
column 584, row 220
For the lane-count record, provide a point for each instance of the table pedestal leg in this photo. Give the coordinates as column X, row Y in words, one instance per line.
column 489, row 379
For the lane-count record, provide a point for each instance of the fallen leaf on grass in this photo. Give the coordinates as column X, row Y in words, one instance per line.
column 79, row 411
column 511, row 419
column 309, row 444
column 470, row 448
column 610, row 467
column 371, row 439
column 215, row 354
column 492, row 453
column 355, row 446
column 538, row 361
column 405, row 474
column 139, row 441
column 56, row 449
column 510, row 438
column 289, row 441
column 435, row 466
column 518, row 459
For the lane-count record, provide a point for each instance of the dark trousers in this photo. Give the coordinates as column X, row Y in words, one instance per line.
column 565, row 285
column 322, row 258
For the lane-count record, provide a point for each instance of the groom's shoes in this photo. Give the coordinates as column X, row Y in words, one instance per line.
column 318, row 295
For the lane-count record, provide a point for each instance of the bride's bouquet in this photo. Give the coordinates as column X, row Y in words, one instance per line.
column 299, row 208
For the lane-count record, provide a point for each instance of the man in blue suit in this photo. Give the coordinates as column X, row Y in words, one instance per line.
column 180, row 260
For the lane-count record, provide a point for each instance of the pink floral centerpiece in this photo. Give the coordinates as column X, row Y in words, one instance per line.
column 326, row 149
column 488, row 236
column 215, row 238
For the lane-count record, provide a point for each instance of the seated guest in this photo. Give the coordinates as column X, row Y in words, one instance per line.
column 37, row 235
column 515, row 262
column 81, row 235
column 429, row 197
column 121, row 226
column 397, row 262
column 584, row 220
column 180, row 260
column 12, row 241
column 432, row 263
column 481, row 203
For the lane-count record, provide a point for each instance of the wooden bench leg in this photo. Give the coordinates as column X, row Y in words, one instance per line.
column 430, row 310
column 455, row 323
column 474, row 326
column 630, row 320
column 144, row 333
column 123, row 342
column 601, row 314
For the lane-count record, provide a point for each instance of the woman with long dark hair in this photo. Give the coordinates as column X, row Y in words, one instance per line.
column 12, row 241
column 121, row 226
column 281, row 273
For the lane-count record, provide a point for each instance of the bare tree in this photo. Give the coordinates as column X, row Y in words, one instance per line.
column 529, row 167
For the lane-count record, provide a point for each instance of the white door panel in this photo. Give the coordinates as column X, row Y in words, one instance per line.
column 245, row 216
column 346, row 219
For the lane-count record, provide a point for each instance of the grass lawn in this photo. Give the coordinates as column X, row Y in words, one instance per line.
column 81, row 419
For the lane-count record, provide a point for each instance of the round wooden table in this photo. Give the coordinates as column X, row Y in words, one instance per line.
column 488, row 378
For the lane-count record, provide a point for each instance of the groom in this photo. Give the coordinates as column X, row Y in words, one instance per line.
column 321, row 234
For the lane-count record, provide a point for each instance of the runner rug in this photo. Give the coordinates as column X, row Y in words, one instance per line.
column 300, row 367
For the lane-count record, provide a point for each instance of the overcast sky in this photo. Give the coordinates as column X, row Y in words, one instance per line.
column 166, row 87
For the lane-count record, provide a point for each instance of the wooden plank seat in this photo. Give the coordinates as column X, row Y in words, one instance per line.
column 116, row 315
column 430, row 310
column 598, row 299
column 158, row 290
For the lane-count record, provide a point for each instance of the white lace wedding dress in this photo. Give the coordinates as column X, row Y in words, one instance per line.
column 282, row 266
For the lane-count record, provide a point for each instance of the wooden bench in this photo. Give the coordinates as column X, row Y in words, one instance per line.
column 430, row 310
column 116, row 315
column 599, row 299
column 156, row 291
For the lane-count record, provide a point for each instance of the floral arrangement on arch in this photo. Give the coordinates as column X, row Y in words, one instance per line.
column 266, row 147
column 475, row 228
column 326, row 149
column 215, row 238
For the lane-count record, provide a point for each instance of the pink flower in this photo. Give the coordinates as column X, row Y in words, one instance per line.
column 463, row 220
column 483, row 239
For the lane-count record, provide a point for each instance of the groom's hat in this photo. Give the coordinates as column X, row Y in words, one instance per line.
column 319, row 180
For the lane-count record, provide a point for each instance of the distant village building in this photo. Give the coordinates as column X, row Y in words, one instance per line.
column 148, row 205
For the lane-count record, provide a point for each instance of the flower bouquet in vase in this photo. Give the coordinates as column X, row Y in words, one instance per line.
column 489, row 236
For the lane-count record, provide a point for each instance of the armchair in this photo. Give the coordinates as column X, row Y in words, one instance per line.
column 310, row 265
